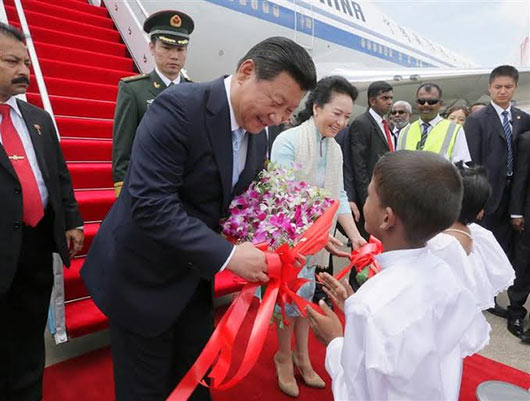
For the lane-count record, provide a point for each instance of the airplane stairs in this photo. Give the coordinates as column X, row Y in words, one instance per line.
column 83, row 57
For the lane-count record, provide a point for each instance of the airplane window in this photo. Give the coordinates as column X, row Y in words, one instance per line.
column 276, row 10
column 308, row 23
column 380, row 49
column 369, row 45
column 363, row 43
column 243, row 2
column 265, row 6
column 254, row 4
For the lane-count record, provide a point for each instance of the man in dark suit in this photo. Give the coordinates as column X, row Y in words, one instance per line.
column 491, row 135
column 170, row 34
column 370, row 138
column 39, row 216
column 151, row 267
column 520, row 212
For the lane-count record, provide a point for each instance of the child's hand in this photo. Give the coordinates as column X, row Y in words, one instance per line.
column 337, row 291
column 326, row 327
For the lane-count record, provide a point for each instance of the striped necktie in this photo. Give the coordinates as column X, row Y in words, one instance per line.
column 237, row 137
column 424, row 135
column 32, row 208
column 506, row 126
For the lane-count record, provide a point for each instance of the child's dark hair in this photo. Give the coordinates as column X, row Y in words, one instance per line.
column 422, row 188
column 477, row 190
column 321, row 95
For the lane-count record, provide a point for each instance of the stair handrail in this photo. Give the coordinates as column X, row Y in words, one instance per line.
column 36, row 66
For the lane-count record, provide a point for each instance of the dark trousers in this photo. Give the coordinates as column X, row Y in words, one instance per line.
column 519, row 291
column 499, row 224
column 149, row 368
column 23, row 314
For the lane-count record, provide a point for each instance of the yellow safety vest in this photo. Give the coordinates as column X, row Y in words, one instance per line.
column 441, row 139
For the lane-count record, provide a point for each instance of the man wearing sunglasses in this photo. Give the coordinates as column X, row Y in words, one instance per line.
column 431, row 132
column 399, row 117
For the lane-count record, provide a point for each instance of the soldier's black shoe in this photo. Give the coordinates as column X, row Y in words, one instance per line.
column 498, row 310
column 516, row 327
column 525, row 337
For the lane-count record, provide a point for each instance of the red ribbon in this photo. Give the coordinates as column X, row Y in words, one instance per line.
column 283, row 267
column 363, row 257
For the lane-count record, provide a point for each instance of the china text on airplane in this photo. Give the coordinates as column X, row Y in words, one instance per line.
column 349, row 7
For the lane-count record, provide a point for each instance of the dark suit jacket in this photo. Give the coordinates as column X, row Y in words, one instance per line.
column 520, row 194
column 161, row 236
column 343, row 139
column 61, row 199
column 487, row 146
column 368, row 144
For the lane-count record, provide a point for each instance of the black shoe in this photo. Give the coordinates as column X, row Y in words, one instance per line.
column 525, row 337
column 498, row 310
column 516, row 327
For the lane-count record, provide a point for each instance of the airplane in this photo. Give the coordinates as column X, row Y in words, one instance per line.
column 345, row 37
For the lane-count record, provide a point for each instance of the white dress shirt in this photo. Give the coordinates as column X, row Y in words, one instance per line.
column 166, row 80
column 379, row 120
column 407, row 331
column 22, row 130
column 242, row 155
column 460, row 149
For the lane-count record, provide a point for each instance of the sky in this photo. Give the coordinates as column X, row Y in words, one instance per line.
column 489, row 32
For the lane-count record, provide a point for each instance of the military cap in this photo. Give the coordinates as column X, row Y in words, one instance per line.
column 169, row 26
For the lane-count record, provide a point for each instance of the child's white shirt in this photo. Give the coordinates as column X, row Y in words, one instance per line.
column 407, row 331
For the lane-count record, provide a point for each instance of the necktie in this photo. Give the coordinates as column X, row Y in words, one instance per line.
column 388, row 136
column 32, row 209
column 424, row 135
column 237, row 137
column 171, row 84
column 508, row 135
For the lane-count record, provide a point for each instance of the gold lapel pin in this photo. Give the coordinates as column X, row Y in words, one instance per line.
column 518, row 117
column 156, row 85
column 37, row 127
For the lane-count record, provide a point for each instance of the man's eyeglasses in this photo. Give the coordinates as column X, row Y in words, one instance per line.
column 400, row 112
column 430, row 102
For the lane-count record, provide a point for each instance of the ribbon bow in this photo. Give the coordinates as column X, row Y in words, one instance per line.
column 364, row 261
column 283, row 267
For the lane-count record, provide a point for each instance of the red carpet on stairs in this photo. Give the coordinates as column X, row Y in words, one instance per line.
column 83, row 57
column 89, row 377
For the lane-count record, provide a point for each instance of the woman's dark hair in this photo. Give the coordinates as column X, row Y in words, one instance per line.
column 321, row 95
column 477, row 190
column 455, row 108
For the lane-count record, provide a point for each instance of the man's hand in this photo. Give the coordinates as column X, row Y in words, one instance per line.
column 326, row 327
column 249, row 262
column 355, row 211
column 357, row 242
column 518, row 224
column 333, row 247
column 337, row 291
column 74, row 241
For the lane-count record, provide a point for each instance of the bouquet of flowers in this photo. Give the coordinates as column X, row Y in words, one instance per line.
column 275, row 210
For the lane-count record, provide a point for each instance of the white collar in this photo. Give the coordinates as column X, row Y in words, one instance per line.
column 378, row 119
column 165, row 79
column 500, row 110
column 433, row 122
column 233, row 122
column 387, row 259
column 12, row 101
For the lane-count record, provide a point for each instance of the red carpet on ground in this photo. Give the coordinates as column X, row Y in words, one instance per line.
column 89, row 377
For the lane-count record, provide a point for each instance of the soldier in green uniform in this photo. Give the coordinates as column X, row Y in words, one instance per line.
column 170, row 32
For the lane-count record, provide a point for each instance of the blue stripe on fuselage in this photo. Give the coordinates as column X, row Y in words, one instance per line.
column 284, row 16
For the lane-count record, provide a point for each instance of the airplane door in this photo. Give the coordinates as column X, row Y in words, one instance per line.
column 304, row 26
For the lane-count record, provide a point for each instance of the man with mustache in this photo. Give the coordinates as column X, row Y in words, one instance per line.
column 170, row 34
column 39, row 216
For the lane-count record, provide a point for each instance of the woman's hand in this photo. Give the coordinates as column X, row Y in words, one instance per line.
column 333, row 247
column 338, row 292
column 357, row 241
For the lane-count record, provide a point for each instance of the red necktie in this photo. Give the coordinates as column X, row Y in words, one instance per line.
column 32, row 208
column 388, row 136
